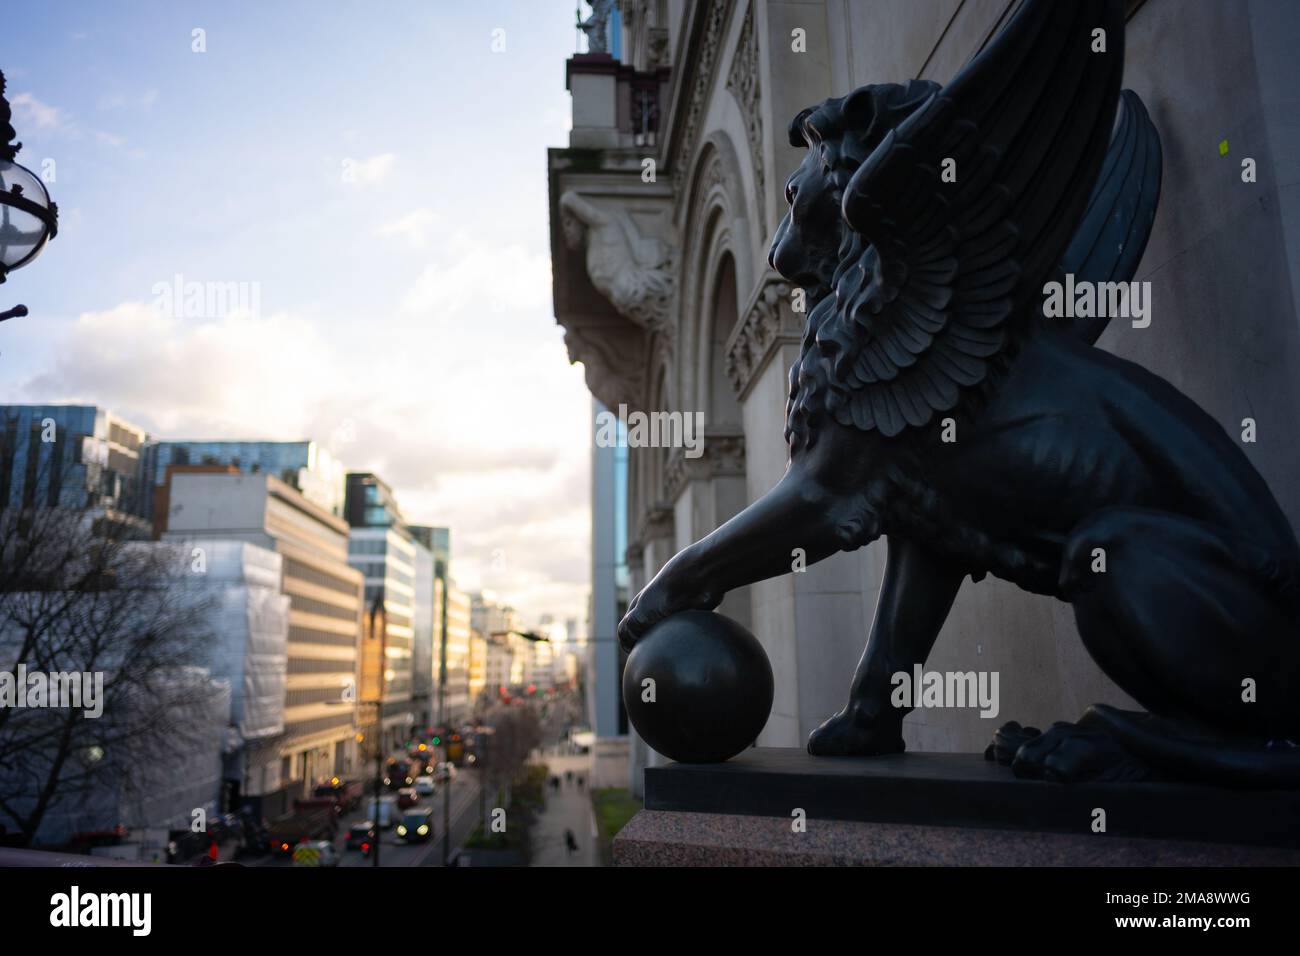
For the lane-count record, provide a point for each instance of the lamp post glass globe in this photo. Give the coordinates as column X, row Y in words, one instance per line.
column 28, row 220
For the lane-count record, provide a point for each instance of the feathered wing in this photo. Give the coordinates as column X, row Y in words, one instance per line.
column 1113, row 233
column 926, row 314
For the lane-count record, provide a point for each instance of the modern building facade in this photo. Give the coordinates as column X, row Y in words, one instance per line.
column 71, row 456
column 427, row 638
column 381, row 547
column 303, row 465
column 477, row 680
column 603, row 665
column 705, row 326
column 325, row 616
column 455, row 703
column 489, row 616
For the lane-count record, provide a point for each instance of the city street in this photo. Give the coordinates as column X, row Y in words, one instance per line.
column 464, row 814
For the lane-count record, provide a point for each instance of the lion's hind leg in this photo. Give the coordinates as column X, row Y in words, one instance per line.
column 1181, row 618
column 1174, row 612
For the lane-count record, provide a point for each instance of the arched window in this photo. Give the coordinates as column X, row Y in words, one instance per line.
column 723, row 408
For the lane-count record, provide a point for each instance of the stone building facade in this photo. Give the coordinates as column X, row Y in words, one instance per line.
column 667, row 197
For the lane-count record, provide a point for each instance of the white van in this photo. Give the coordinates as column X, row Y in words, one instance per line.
column 384, row 814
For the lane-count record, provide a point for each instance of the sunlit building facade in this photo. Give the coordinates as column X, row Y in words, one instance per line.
column 383, row 550
column 325, row 617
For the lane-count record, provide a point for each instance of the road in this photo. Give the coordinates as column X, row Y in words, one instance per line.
column 464, row 817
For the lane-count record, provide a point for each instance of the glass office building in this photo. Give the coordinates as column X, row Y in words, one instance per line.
column 303, row 465
column 383, row 550
column 70, row 456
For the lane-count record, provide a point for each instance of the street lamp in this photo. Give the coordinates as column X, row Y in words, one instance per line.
column 28, row 217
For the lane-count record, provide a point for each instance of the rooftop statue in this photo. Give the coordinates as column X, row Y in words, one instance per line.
column 596, row 26
column 937, row 403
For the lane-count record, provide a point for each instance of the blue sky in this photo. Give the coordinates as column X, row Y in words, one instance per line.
column 377, row 173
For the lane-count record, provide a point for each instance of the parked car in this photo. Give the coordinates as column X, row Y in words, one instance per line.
column 315, row 853
column 407, row 797
column 424, row 785
column 384, row 813
column 362, row 836
column 416, row 826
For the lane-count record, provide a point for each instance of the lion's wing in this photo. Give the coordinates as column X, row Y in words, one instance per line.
column 1113, row 232
column 957, row 267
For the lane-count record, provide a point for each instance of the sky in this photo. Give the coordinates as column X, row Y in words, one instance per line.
column 373, row 176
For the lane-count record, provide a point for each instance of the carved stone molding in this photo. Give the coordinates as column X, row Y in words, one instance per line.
column 769, row 322
column 743, row 84
column 657, row 48
column 706, row 61
column 723, row 455
column 656, row 523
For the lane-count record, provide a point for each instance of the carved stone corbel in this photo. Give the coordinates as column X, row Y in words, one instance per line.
column 769, row 322
column 723, row 455
column 636, row 273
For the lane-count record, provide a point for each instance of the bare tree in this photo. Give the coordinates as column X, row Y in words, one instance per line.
column 517, row 732
column 77, row 599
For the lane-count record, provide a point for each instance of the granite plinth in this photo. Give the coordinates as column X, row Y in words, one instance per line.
column 965, row 790
column 675, row 838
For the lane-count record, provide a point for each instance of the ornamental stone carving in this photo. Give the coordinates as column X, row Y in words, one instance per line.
column 634, row 272
column 723, row 455
column 769, row 322
column 743, row 84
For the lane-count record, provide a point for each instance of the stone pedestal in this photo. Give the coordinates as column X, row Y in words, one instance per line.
column 940, row 810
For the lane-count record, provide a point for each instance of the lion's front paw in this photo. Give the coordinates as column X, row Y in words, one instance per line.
column 849, row 734
column 661, row 598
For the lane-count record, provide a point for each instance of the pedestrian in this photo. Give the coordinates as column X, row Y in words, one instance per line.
column 570, row 842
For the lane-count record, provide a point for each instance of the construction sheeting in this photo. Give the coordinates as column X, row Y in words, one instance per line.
column 250, row 627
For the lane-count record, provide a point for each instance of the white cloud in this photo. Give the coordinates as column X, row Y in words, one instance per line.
column 370, row 171
column 415, row 227
column 488, row 437
column 36, row 113
column 469, row 273
column 39, row 114
column 117, row 101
